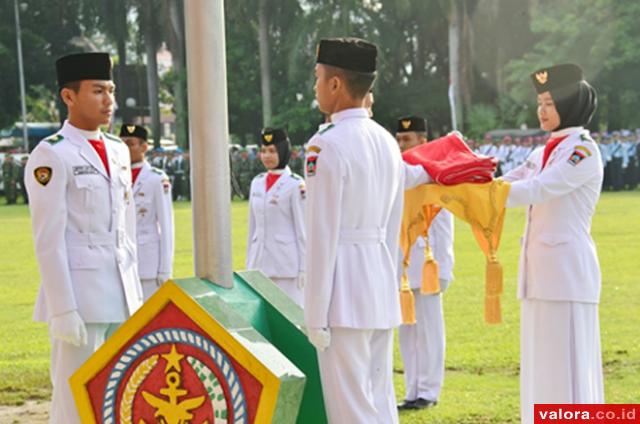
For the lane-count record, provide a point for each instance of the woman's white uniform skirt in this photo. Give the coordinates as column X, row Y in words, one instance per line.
column 560, row 357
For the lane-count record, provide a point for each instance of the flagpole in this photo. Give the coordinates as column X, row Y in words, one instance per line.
column 208, row 136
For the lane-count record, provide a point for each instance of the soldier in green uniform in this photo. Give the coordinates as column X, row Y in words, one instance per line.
column 245, row 175
column 180, row 168
column 234, row 159
column 296, row 162
column 23, row 187
column 257, row 168
column 10, row 174
column 187, row 176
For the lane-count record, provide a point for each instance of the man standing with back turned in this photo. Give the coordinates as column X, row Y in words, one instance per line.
column 355, row 178
column 83, row 219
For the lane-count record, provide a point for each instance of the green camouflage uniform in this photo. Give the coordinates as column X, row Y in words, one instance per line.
column 10, row 175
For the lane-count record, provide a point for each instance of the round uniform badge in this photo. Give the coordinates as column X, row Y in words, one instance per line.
column 43, row 175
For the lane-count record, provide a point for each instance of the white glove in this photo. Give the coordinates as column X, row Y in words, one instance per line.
column 162, row 278
column 302, row 279
column 69, row 328
column 319, row 337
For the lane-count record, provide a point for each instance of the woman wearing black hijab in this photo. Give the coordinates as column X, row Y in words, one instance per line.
column 276, row 243
column 559, row 277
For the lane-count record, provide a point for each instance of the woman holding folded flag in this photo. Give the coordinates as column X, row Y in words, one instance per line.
column 559, row 276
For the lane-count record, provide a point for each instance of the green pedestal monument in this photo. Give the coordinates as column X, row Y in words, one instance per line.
column 199, row 352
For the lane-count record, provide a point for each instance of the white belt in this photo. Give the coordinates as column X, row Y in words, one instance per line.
column 363, row 236
column 91, row 239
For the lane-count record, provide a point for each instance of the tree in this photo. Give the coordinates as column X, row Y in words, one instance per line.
column 176, row 43
column 148, row 18
column 609, row 55
column 113, row 18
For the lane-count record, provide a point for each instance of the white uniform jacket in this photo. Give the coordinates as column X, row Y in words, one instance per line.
column 558, row 259
column 277, row 238
column 154, row 223
column 441, row 242
column 355, row 184
column 83, row 228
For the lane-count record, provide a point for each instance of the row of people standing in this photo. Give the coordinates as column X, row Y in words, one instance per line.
column 619, row 150
column 277, row 246
column 13, row 179
column 176, row 164
column 511, row 152
column 246, row 165
column 355, row 178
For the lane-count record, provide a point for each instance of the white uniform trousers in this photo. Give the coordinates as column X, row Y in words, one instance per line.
column 149, row 287
column 356, row 371
column 560, row 358
column 290, row 287
column 422, row 347
column 65, row 360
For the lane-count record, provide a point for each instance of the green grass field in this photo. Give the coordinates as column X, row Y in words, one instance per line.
column 481, row 383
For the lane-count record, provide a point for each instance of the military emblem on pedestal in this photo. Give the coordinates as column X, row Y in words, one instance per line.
column 173, row 363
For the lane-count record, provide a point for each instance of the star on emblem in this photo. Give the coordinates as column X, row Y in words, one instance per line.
column 173, row 359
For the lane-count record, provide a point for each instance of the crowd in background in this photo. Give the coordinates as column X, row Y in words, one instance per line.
column 620, row 159
column 619, row 149
column 245, row 165
column 176, row 164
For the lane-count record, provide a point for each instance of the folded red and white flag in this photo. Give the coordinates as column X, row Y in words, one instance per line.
column 449, row 161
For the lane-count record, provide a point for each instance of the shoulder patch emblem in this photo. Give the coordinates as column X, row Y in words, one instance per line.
column 54, row 138
column 166, row 186
column 311, row 166
column 43, row 175
column 584, row 150
column 578, row 155
column 327, row 128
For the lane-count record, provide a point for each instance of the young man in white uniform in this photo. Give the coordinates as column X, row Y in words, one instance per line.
column 154, row 213
column 83, row 219
column 355, row 184
column 422, row 345
column 559, row 278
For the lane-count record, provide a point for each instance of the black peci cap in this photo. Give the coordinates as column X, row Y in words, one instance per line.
column 412, row 124
column 555, row 77
column 83, row 66
column 351, row 54
column 130, row 130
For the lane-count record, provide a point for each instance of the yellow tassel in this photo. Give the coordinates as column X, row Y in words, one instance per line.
column 493, row 279
column 430, row 277
column 492, row 314
column 408, row 307
column 407, row 303
column 493, row 290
